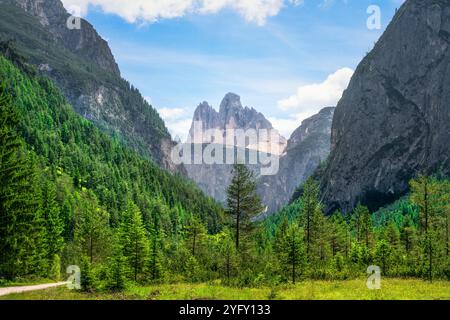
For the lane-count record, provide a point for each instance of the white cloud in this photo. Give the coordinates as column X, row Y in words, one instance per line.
column 176, row 121
column 171, row 113
column 255, row 11
column 310, row 99
column 319, row 95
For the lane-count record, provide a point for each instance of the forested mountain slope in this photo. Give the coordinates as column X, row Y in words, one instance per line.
column 72, row 170
column 81, row 64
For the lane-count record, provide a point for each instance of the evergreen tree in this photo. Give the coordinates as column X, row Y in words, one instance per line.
column 117, row 267
column 309, row 210
column 91, row 227
column 55, row 269
column 315, row 225
column 339, row 234
column 362, row 222
column 154, row 263
column 134, row 239
column 383, row 254
column 195, row 233
column 242, row 202
column 54, row 227
column 424, row 193
column 87, row 281
column 291, row 250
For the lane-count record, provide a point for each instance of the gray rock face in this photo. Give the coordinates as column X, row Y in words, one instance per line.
column 393, row 120
column 84, row 42
column 231, row 115
column 308, row 146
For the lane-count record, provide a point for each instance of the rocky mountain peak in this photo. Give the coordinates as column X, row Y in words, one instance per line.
column 230, row 102
column 320, row 123
column 45, row 10
column 85, row 42
column 231, row 115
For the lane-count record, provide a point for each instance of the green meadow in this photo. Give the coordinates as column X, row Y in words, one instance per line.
column 391, row 289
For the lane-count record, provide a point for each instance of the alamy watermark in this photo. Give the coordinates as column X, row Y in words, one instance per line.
column 74, row 280
column 74, row 20
column 374, row 20
column 374, row 280
column 260, row 147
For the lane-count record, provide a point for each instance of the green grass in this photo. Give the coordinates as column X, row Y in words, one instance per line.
column 392, row 289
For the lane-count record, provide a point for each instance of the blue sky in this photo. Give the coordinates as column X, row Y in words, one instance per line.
column 286, row 58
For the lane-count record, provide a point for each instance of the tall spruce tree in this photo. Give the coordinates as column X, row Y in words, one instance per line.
column 290, row 249
column 363, row 225
column 242, row 202
column 92, row 230
column 134, row 239
column 195, row 233
column 313, row 222
column 54, row 227
column 424, row 193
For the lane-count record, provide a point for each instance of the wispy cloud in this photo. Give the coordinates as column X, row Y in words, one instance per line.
column 149, row 11
column 317, row 95
column 310, row 99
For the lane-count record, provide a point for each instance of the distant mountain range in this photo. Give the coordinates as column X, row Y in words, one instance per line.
column 298, row 157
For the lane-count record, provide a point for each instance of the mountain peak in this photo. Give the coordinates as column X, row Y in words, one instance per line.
column 232, row 115
column 230, row 101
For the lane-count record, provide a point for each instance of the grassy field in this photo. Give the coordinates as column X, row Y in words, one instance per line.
column 392, row 289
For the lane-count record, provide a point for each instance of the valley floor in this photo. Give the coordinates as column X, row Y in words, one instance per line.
column 392, row 289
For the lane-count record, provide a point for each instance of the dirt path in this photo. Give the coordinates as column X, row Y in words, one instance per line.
column 9, row 290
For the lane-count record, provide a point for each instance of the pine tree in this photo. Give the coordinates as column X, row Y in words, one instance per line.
column 134, row 239
column 383, row 254
column 55, row 269
column 195, row 233
column 363, row 225
column 92, row 231
column 227, row 254
column 87, row 278
column 339, row 234
column 308, row 212
column 424, row 193
column 242, row 202
column 117, row 267
column 408, row 242
column 291, row 250
column 314, row 224
column 154, row 263
column 54, row 227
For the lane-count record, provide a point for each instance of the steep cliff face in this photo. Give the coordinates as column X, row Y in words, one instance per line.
column 231, row 116
column 393, row 120
column 82, row 65
column 308, row 146
column 84, row 42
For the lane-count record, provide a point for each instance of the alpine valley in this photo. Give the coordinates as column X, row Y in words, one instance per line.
column 89, row 182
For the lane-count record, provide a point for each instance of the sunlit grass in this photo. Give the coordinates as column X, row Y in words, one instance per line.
column 392, row 289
